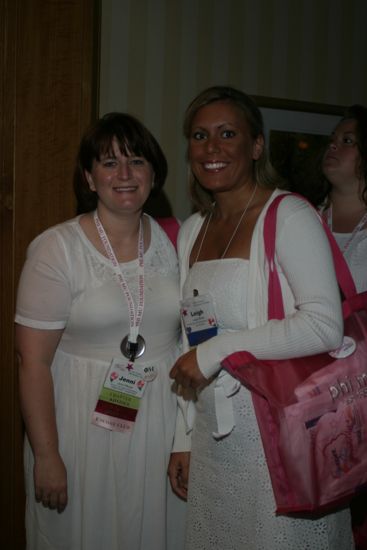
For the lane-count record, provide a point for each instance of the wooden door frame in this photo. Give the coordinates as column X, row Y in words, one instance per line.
column 25, row 206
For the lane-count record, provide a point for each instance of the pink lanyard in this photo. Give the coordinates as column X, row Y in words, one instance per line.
column 358, row 227
column 135, row 316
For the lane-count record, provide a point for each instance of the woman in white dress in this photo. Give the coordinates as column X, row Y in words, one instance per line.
column 344, row 207
column 225, row 478
column 97, row 330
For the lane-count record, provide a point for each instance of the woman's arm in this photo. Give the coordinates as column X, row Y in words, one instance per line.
column 315, row 326
column 35, row 350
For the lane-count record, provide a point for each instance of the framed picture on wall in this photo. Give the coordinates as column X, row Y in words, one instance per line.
column 296, row 134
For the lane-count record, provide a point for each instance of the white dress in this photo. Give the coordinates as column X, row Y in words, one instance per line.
column 117, row 482
column 230, row 499
column 231, row 504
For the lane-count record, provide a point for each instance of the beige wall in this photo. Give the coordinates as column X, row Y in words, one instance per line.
column 157, row 54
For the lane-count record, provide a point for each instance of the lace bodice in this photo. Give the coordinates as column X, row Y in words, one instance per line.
column 225, row 283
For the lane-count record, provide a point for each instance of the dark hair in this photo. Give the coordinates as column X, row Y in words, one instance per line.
column 359, row 114
column 133, row 138
column 264, row 173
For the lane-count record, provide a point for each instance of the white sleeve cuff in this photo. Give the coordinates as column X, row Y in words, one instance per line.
column 207, row 360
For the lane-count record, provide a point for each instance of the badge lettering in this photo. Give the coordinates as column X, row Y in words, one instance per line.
column 348, row 386
column 197, row 313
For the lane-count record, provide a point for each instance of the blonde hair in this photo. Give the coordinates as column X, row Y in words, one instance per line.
column 264, row 173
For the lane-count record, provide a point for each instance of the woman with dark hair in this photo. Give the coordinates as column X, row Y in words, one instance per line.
column 344, row 204
column 97, row 329
column 132, row 136
column 344, row 207
column 223, row 269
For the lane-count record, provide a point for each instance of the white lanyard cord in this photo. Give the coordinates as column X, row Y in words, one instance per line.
column 135, row 316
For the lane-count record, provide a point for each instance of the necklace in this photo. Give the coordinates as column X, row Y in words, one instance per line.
column 235, row 229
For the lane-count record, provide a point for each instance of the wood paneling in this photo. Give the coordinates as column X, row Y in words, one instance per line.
column 48, row 95
column 11, row 491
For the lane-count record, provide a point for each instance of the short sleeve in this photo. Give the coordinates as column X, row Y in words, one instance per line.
column 44, row 293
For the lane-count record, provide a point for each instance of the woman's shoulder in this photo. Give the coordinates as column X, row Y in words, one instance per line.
column 291, row 210
column 290, row 203
column 163, row 237
column 64, row 232
column 191, row 222
column 168, row 226
column 188, row 233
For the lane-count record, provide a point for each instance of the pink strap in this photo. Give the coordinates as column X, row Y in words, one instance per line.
column 344, row 277
column 171, row 227
column 342, row 270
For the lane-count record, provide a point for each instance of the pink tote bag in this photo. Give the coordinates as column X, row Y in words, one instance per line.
column 312, row 411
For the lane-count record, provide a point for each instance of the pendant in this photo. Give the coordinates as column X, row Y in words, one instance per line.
column 132, row 350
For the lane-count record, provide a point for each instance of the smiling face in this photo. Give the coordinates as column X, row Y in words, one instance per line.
column 341, row 160
column 221, row 149
column 122, row 183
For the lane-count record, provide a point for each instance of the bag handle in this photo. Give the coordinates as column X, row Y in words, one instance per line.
column 344, row 277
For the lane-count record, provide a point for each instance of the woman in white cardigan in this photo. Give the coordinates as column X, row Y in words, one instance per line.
column 225, row 477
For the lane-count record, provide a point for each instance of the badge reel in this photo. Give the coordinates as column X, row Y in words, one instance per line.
column 199, row 319
column 134, row 350
column 123, row 389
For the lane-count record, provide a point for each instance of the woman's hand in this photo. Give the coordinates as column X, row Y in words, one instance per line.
column 178, row 472
column 186, row 371
column 50, row 482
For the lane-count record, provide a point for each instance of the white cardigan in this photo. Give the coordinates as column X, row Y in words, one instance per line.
column 313, row 322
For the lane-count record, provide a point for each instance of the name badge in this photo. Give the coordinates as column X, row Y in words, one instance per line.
column 119, row 400
column 199, row 319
